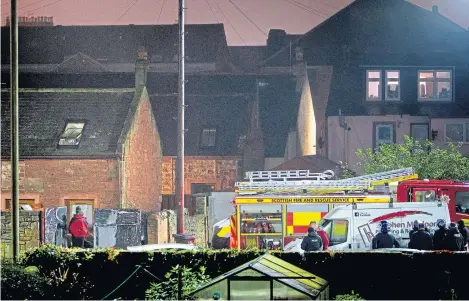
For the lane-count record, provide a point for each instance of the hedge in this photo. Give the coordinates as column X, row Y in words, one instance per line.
column 93, row 274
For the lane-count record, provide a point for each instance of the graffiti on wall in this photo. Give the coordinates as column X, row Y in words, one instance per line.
column 55, row 230
column 119, row 228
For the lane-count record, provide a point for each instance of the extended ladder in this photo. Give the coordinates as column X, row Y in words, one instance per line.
column 302, row 181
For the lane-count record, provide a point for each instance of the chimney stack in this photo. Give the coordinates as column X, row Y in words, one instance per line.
column 435, row 9
column 141, row 68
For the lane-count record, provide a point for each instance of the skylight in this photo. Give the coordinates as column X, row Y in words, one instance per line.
column 72, row 134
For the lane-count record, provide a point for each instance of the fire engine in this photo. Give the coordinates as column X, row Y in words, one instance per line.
column 273, row 208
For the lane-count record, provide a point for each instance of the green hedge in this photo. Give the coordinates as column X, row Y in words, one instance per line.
column 93, row 274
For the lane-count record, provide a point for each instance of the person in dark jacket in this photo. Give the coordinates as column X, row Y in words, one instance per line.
column 384, row 240
column 465, row 234
column 439, row 235
column 320, row 231
column 415, row 229
column 421, row 240
column 453, row 241
column 311, row 242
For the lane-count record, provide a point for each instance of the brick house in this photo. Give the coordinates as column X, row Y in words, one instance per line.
column 97, row 148
column 395, row 69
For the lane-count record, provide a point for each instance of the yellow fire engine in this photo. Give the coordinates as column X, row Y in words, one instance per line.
column 273, row 208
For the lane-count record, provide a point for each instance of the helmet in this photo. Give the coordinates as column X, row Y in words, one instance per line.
column 441, row 223
column 421, row 225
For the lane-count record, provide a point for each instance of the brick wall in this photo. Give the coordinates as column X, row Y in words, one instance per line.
column 29, row 232
column 220, row 171
column 51, row 182
column 143, row 158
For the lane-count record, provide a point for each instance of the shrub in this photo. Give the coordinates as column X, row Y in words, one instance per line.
column 168, row 290
column 351, row 296
column 19, row 283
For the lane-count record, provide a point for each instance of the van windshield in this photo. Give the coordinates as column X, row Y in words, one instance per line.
column 336, row 229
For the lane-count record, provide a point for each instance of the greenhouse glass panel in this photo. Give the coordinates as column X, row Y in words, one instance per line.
column 283, row 292
column 249, row 290
column 220, row 288
column 249, row 272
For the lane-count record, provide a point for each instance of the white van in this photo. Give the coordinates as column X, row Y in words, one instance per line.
column 352, row 227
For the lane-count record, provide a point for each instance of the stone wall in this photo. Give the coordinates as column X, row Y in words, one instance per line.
column 161, row 226
column 195, row 225
column 29, row 232
column 222, row 172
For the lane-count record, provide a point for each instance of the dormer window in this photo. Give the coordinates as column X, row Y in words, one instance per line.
column 208, row 138
column 72, row 134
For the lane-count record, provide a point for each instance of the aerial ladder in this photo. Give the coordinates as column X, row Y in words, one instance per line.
column 306, row 182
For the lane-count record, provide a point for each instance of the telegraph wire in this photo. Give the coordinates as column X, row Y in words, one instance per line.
column 249, row 19
column 213, row 12
column 327, row 4
column 307, row 8
column 128, row 9
column 229, row 22
column 24, row 6
column 161, row 10
column 44, row 6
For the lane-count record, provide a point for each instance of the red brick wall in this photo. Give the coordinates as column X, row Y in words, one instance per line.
column 142, row 161
column 220, row 171
column 51, row 182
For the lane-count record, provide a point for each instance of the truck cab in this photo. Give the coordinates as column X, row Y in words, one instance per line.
column 456, row 194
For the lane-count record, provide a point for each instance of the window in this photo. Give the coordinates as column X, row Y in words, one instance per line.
column 384, row 133
column 419, row 132
column 87, row 206
column 457, row 132
column 435, row 85
column 425, row 196
column 209, row 137
column 337, row 230
column 392, row 85
column 30, row 202
column 462, row 202
column 373, row 85
column 72, row 134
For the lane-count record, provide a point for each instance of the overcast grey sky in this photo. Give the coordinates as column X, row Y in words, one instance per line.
column 295, row 16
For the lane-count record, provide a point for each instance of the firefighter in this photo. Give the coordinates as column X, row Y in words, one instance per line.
column 416, row 228
column 440, row 234
column 464, row 232
column 454, row 240
column 384, row 240
column 421, row 240
column 311, row 242
column 320, row 231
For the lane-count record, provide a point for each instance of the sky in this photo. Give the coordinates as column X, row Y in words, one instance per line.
column 247, row 22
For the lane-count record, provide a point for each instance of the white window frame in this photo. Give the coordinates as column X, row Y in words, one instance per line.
column 376, row 125
column 380, row 96
column 435, row 85
column 66, row 140
column 465, row 129
column 387, row 79
column 209, row 131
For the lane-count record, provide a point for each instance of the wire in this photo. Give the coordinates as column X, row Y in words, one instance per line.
column 307, row 8
column 43, row 6
column 249, row 19
column 128, row 9
column 229, row 22
column 326, row 4
column 161, row 10
column 213, row 12
column 24, row 6
column 127, row 279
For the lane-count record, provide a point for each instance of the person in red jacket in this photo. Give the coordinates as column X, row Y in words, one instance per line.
column 321, row 233
column 78, row 228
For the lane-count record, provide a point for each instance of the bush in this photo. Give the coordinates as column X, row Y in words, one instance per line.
column 168, row 290
column 351, row 296
column 20, row 283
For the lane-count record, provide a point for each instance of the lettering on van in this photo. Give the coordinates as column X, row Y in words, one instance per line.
column 314, row 200
column 362, row 214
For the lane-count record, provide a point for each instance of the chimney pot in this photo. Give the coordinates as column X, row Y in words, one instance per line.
column 435, row 9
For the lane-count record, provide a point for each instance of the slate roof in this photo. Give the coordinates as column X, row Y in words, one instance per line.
column 43, row 117
column 113, row 43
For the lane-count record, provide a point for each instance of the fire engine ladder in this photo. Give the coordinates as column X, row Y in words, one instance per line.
column 302, row 181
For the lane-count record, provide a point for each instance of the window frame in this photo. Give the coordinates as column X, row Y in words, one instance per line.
column 386, row 80
column 333, row 222
column 435, row 81
column 209, row 128
column 70, row 202
column 465, row 133
column 61, row 136
column 380, row 90
column 30, row 202
column 420, row 124
column 375, row 124
column 456, row 201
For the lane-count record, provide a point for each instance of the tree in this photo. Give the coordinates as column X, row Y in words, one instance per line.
column 428, row 160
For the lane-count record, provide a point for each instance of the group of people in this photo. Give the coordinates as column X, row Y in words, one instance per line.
column 454, row 237
column 316, row 240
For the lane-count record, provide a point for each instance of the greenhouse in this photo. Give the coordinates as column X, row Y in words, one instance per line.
column 265, row 278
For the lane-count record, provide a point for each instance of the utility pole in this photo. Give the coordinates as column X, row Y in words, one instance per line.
column 15, row 213
column 180, row 127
